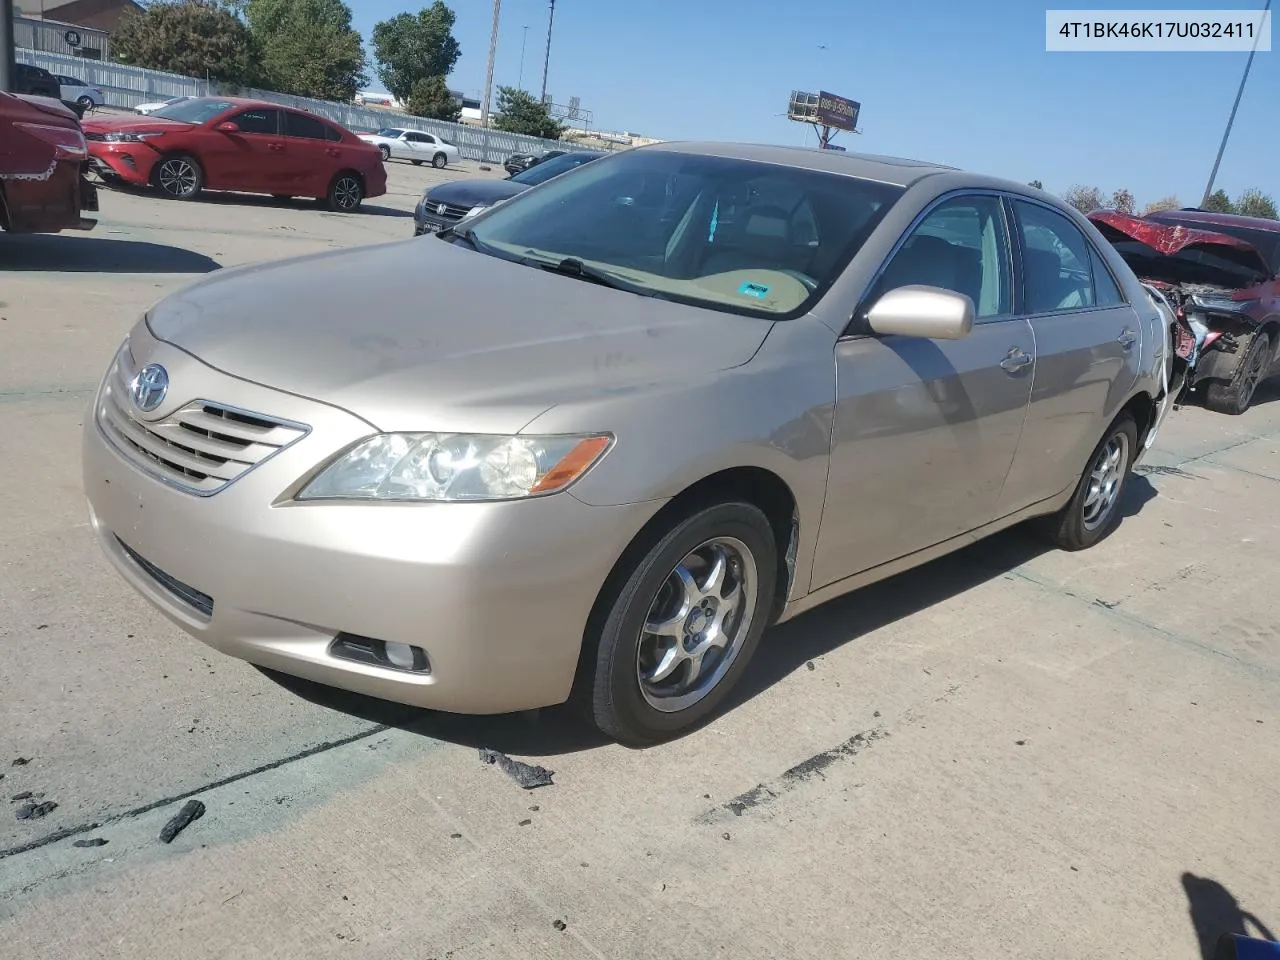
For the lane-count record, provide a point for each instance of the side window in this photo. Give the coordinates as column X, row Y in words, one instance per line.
column 1104, row 283
column 1057, row 270
column 961, row 245
column 332, row 135
column 258, row 121
column 302, row 125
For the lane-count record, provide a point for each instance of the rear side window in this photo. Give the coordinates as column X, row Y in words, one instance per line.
column 332, row 135
column 1108, row 292
column 1057, row 271
column 258, row 121
column 301, row 125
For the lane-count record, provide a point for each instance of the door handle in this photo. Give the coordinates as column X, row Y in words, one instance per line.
column 1015, row 360
column 1127, row 338
column 275, row 146
column 332, row 152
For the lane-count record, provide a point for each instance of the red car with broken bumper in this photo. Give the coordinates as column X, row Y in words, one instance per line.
column 42, row 159
column 248, row 146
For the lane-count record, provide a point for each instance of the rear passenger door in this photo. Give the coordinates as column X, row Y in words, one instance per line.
column 308, row 162
column 926, row 430
column 1088, row 352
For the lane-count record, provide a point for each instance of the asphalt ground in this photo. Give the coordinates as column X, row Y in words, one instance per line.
column 1008, row 752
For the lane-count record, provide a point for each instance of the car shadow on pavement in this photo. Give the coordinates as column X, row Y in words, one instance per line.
column 554, row 731
column 64, row 253
column 1214, row 911
column 223, row 198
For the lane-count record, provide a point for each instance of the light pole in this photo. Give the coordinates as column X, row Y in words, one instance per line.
column 7, row 69
column 546, row 64
column 523, row 40
column 488, row 77
column 1213, row 174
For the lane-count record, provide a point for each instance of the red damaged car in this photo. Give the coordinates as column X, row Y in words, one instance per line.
column 224, row 143
column 1218, row 275
column 42, row 159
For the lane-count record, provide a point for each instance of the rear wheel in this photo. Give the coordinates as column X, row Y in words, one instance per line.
column 679, row 627
column 1234, row 396
column 439, row 161
column 85, row 102
column 1094, row 508
column 178, row 177
column 345, row 193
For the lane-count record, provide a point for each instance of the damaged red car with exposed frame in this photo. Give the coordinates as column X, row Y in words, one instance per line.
column 1217, row 276
column 43, row 157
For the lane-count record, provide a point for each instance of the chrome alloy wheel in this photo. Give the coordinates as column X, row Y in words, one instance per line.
column 177, row 177
column 346, row 193
column 696, row 625
column 1105, row 479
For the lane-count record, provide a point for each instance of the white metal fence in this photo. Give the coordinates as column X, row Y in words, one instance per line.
column 127, row 86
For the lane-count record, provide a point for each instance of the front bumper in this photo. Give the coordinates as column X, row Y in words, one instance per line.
column 130, row 162
column 496, row 594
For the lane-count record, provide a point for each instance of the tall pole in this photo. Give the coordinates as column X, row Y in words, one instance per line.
column 7, row 70
column 488, row 77
column 523, row 40
column 546, row 64
column 1204, row 202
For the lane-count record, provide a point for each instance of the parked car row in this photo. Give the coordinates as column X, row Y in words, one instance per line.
column 413, row 145
column 520, row 162
column 663, row 400
column 227, row 143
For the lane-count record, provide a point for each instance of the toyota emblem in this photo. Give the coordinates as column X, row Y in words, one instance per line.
column 442, row 208
column 149, row 387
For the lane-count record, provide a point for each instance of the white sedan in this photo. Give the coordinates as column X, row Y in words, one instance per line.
column 77, row 91
column 397, row 144
column 150, row 108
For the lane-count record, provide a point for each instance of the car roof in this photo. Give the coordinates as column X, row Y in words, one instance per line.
column 894, row 170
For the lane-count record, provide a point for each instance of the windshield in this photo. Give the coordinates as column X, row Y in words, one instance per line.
column 193, row 111
column 390, row 133
column 552, row 168
column 734, row 235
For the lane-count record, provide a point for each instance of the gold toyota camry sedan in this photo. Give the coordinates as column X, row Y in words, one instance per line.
column 590, row 443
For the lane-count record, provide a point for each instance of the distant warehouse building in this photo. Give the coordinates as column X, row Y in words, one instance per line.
column 74, row 28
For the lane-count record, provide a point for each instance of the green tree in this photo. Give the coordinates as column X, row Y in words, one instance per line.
column 1170, row 202
column 196, row 38
column 1084, row 199
column 1123, row 201
column 430, row 97
column 1219, row 202
column 519, row 112
column 1037, row 184
column 308, row 47
column 411, row 47
column 1254, row 203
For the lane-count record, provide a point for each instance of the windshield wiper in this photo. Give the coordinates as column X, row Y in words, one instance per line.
column 573, row 267
column 453, row 233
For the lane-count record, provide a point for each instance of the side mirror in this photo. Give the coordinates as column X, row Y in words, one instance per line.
column 228, row 127
column 930, row 313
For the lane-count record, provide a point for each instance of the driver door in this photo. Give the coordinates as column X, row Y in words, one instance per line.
column 925, row 431
column 252, row 159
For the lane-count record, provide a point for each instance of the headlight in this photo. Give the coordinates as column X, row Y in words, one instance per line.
column 445, row 466
column 127, row 137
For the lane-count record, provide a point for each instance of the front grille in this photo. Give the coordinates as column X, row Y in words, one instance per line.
column 187, row 594
column 452, row 213
column 199, row 448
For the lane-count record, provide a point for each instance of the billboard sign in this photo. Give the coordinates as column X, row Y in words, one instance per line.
column 838, row 112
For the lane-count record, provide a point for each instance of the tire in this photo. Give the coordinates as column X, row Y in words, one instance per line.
column 634, row 687
column 1234, row 396
column 85, row 102
column 385, row 151
column 1084, row 522
column 178, row 176
column 345, row 193
column 439, row 161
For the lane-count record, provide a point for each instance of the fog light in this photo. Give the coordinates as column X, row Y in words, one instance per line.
column 393, row 656
column 400, row 655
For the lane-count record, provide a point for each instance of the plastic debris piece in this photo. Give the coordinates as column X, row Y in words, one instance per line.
column 191, row 810
column 34, row 811
column 527, row 775
column 91, row 842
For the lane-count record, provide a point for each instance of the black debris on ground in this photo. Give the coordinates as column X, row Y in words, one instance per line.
column 524, row 823
column 455, row 836
column 559, row 924
column 91, row 842
column 24, row 795
column 527, row 775
column 43, row 626
column 21, row 761
column 810, row 665
column 726, row 836
column 535, row 808
column 876, row 714
column 34, row 811
column 191, row 810
column 1020, row 743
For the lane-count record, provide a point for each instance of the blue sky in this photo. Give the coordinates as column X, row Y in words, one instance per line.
column 965, row 83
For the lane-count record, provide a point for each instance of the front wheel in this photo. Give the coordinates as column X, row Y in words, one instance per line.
column 675, row 635
column 439, row 160
column 345, row 193
column 385, row 151
column 178, row 177
column 1234, row 396
column 1094, row 508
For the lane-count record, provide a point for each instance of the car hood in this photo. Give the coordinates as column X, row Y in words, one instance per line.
column 474, row 193
column 424, row 334
column 133, row 124
column 1175, row 246
column 49, row 106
